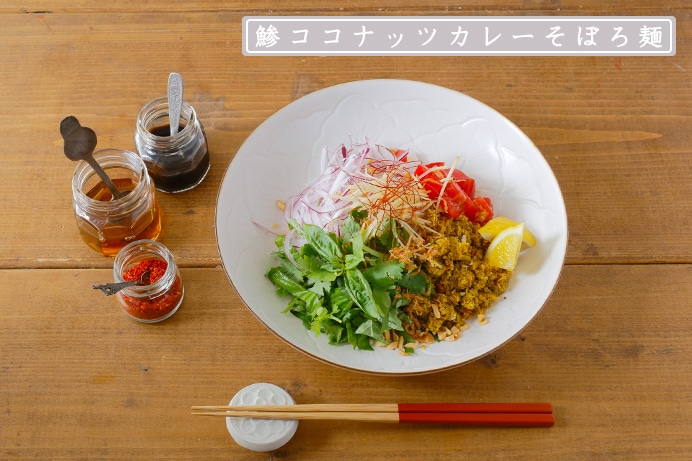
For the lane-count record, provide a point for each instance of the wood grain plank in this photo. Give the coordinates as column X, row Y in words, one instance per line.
column 80, row 380
column 642, row 7
column 615, row 136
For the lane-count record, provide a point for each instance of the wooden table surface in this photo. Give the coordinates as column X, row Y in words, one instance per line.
column 610, row 350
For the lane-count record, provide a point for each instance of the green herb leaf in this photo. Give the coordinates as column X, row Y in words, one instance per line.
column 340, row 301
column 279, row 241
column 361, row 293
column 336, row 332
column 415, row 283
column 382, row 299
column 356, row 256
column 384, row 273
column 394, row 320
column 335, row 290
column 350, row 227
column 358, row 341
column 372, row 329
column 312, row 303
column 320, row 240
column 283, row 281
column 320, row 288
column 314, row 269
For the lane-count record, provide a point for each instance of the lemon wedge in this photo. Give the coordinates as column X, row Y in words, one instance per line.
column 496, row 225
column 503, row 251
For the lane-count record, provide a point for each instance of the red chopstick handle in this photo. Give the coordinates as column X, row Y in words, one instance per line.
column 475, row 408
column 481, row 419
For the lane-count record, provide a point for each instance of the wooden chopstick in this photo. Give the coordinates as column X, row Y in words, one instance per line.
column 482, row 414
column 391, row 407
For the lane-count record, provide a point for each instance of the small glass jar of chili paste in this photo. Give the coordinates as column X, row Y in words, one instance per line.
column 176, row 162
column 106, row 223
column 159, row 291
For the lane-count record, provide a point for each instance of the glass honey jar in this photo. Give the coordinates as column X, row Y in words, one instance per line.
column 177, row 162
column 106, row 223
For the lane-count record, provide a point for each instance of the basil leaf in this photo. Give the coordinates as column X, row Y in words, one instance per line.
column 357, row 245
column 322, row 243
column 361, row 293
column 312, row 302
column 290, row 270
column 358, row 341
column 284, row 282
column 382, row 299
column 340, row 301
column 352, row 262
column 314, row 269
column 350, row 228
column 394, row 320
column 372, row 329
column 336, row 291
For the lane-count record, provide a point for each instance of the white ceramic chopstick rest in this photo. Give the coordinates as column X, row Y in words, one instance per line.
column 261, row 434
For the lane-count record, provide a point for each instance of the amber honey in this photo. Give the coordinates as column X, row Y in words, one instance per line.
column 107, row 225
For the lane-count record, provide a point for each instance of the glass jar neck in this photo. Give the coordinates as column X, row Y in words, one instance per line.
column 155, row 115
column 138, row 252
column 110, row 159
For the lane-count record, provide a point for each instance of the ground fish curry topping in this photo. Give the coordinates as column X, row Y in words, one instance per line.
column 462, row 283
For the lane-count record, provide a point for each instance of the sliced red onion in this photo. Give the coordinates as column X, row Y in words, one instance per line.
column 323, row 202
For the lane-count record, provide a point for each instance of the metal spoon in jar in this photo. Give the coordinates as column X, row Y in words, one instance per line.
column 112, row 288
column 175, row 101
column 80, row 143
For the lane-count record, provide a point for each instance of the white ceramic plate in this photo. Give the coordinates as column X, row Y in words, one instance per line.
column 283, row 154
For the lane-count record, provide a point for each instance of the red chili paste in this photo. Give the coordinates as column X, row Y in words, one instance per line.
column 156, row 305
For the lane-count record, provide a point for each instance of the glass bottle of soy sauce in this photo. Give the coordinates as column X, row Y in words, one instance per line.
column 176, row 163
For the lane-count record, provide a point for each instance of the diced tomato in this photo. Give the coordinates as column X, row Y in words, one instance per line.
column 467, row 184
column 437, row 175
column 484, row 210
column 450, row 207
column 458, row 195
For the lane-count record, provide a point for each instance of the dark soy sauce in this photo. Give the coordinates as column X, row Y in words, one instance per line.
column 164, row 130
column 182, row 180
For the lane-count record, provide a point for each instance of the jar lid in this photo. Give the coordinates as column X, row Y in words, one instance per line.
column 261, row 434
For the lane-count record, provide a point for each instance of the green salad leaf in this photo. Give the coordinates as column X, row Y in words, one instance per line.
column 343, row 286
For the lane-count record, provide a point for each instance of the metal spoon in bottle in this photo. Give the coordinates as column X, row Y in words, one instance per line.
column 80, row 143
column 112, row 288
column 175, row 100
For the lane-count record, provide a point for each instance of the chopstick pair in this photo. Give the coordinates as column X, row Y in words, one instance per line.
column 470, row 414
